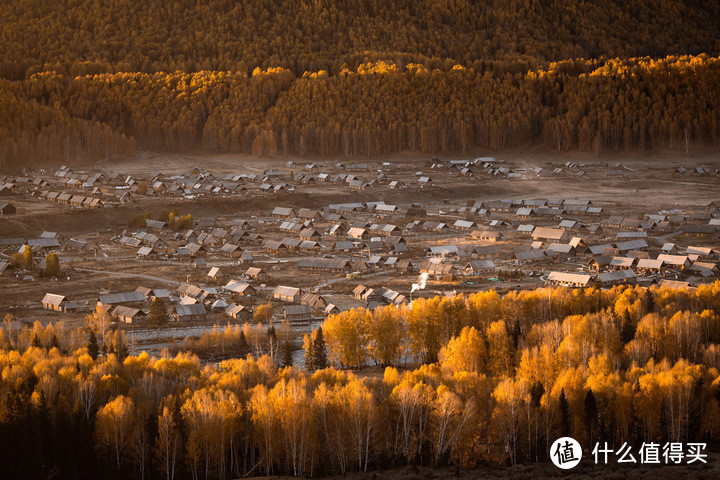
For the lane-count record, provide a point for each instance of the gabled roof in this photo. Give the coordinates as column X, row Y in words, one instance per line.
column 615, row 276
column 573, row 278
column 282, row 211
column 477, row 265
column 252, row 271
column 631, row 245
column 190, row 310
column 53, row 299
column 649, row 263
column 286, row 291
column 123, row 311
column 127, row 297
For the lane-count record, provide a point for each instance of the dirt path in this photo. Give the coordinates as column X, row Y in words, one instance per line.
column 133, row 275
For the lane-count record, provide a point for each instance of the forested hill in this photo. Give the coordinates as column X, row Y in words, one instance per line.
column 95, row 79
column 304, row 35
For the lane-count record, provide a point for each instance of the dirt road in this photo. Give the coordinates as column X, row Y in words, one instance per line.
column 133, row 275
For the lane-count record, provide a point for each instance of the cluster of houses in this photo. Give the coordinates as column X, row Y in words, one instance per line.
column 285, row 253
column 97, row 189
column 361, row 238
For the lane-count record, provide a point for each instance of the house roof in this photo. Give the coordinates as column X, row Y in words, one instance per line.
column 123, row 311
column 283, row 211
column 622, row 262
column 237, row 287
column 126, row 297
column 480, row 265
column 649, row 263
column 286, row 291
column 575, row 278
column 549, row 233
column 53, row 299
column 189, row 310
column 298, row 310
column 234, row 309
column 631, row 245
column 530, row 255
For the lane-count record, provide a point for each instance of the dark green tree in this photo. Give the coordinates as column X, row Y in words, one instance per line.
column 319, row 351
column 121, row 346
column 287, row 360
column 627, row 329
column 158, row 312
column 92, row 346
column 564, row 414
column 243, row 341
column 591, row 415
column 309, row 351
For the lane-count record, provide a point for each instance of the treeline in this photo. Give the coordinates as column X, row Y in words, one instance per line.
column 379, row 108
column 90, row 37
column 503, row 377
column 33, row 131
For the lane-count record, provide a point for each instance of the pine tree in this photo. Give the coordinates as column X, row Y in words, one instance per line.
column 648, row 301
column 158, row 312
column 564, row 414
column 287, row 355
column 308, row 358
column 319, row 351
column 54, row 342
column 121, row 346
column 627, row 332
column 92, row 346
column 36, row 341
column 591, row 415
column 243, row 341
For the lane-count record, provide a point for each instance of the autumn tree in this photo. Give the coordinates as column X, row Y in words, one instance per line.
column 263, row 313
column 52, row 265
column 28, row 257
column 115, row 424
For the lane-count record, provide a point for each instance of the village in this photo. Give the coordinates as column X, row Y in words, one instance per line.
column 320, row 238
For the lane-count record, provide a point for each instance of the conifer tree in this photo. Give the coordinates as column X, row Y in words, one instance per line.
column 287, row 360
column 319, row 350
column 92, row 345
column 158, row 312
column 564, row 414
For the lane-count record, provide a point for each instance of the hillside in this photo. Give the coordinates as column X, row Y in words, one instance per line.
column 88, row 80
column 304, row 35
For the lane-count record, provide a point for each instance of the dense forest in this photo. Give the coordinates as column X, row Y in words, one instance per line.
column 93, row 80
column 90, row 36
column 468, row 381
column 379, row 108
